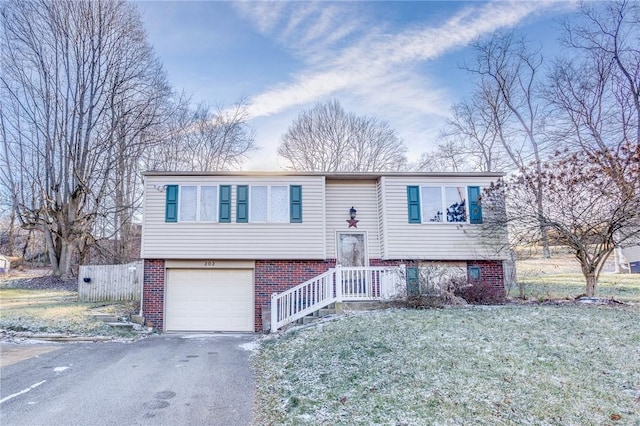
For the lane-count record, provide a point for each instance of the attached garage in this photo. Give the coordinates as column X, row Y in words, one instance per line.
column 209, row 299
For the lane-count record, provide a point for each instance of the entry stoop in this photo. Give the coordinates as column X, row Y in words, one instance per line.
column 314, row 316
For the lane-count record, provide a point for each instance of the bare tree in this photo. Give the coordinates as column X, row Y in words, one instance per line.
column 508, row 72
column 326, row 138
column 582, row 207
column 81, row 91
column 205, row 139
column 451, row 155
column 596, row 92
column 473, row 139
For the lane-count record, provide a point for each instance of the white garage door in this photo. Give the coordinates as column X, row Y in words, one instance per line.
column 209, row 300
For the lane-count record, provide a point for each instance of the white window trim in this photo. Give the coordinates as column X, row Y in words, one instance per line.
column 444, row 206
column 198, row 200
column 288, row 203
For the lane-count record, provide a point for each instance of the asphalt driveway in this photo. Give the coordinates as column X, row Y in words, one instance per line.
column 161, row 380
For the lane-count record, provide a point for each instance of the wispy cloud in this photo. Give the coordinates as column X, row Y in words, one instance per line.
column 366, row 61
column 370, row 66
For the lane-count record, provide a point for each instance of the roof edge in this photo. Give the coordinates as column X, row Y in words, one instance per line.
column 329, row 175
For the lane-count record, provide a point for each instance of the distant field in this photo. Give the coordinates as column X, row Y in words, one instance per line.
column 560, row 277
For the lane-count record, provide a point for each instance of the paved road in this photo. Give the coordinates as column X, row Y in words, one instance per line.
column 162, row 380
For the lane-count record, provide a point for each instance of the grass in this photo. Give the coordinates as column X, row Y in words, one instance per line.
column 52, row 311
column 504, row 365
column 568, row 285
column 559, row 277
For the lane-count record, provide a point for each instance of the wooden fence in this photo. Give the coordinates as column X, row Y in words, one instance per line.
column 110, row 283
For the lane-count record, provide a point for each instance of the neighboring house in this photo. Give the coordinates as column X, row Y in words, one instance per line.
column 216, row 246
column 5, row 265
column 630, row 258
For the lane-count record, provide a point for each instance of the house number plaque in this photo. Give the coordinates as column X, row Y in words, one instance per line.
column 209, row 263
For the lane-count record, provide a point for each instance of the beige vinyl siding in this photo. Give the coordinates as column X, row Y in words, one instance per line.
column 382, row 216
column 341, row 195
column 434, row 241
column 202, row 240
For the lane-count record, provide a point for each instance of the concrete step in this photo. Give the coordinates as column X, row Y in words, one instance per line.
column 363, row 306
column 309, row 319
column 105, row 317
column 121, row 325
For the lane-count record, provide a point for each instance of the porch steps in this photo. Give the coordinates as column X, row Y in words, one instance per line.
column 367, row 305
column 320, row 313
column 340, row 307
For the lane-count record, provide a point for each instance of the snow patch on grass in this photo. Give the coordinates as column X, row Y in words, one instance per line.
column 490, row 365
column 250, row 346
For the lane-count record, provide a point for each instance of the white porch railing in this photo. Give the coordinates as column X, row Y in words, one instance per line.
column 336, row 285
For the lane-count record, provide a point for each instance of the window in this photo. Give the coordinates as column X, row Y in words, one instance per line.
column 431, row 204
column 455, row 204
column 210, row 203
column 198, row 203
column 443, row 204
column 475, row 273
column 269, row 204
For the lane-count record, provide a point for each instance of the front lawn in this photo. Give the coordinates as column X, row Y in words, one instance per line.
column 52, row 311
column 504, row 365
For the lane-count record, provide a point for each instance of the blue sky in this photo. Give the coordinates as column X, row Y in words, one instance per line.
column 399, row 61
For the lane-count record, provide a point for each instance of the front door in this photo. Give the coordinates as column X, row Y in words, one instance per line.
column 351, row 249
column 352, row 255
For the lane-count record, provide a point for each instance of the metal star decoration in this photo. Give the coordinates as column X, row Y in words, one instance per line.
column 353, row 222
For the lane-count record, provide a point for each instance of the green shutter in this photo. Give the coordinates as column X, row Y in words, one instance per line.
column 242, row 204
column 225, row 204
column 171, row 205
column 475, row 210
column 413, row 203
column 413, row 281
column 295, row 204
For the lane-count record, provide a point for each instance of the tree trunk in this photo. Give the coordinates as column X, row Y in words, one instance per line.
column 25, row 246
column 592, row 282
column 546, row 251
column 544, row 235
column 12, row 233
column 61, row 253
column 50, row 244
column 616, row 260
column 66, row 257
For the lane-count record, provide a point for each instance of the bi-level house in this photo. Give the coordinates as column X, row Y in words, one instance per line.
column 218, row 246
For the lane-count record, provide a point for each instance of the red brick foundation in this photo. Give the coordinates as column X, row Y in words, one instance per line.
column 153, row 293
column 276, row 276
column 491, row 272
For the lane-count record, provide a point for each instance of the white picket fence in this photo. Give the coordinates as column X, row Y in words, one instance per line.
column 110, row 283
